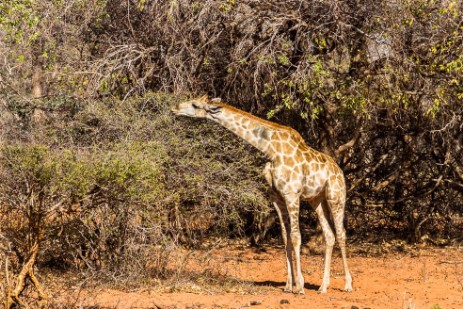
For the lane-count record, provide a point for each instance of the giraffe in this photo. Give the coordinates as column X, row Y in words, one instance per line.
column 295, row 172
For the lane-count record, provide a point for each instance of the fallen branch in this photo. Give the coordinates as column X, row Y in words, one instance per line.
column 450, row 262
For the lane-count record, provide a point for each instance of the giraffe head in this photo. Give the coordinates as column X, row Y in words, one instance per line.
column 202, row 107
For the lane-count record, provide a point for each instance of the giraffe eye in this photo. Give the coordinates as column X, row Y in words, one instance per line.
column 195, row 106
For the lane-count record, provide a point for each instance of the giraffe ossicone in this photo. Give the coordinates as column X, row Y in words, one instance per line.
column 295, row 172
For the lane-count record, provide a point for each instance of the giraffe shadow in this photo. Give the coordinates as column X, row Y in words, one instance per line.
column 277, row 284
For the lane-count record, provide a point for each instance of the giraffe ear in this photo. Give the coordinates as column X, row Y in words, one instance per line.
column 204, row 98
column 216, row 100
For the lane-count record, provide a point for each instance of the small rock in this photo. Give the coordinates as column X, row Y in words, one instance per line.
column 255, row 303
column 354, row 307
column 284, row 301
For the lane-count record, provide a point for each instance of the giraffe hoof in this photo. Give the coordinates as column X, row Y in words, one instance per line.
column 300, row 292
column 348, row 286
column 321, row 290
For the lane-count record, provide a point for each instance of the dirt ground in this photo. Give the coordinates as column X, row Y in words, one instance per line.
column 418, row 278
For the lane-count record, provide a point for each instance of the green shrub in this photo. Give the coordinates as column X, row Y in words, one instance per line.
column 117, row 185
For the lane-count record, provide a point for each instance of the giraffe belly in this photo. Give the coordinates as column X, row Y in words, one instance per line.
column 312, row 188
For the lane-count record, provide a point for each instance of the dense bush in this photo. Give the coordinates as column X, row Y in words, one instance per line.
column 93, row 180
column 377, row 85
column 112, row 187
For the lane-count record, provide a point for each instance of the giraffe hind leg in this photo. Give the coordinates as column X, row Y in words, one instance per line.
column 338, row 219
column 335, row 198
column 321, row 208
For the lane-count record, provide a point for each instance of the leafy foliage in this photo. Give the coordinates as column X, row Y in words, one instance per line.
column 103, row 187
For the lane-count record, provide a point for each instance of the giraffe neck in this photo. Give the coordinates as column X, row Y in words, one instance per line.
column 258, row 132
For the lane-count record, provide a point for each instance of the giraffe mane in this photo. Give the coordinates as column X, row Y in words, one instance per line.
column 267, row 123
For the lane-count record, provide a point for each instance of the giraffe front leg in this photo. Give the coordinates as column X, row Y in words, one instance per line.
column 284, row 223
column 292, row 202
column 295, row 239
column 289, row 265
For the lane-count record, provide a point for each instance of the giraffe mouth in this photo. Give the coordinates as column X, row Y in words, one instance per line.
column 178, row 112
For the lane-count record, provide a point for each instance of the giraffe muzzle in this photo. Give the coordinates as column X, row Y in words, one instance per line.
column 175, row 111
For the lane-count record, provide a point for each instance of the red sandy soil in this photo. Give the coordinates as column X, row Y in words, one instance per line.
column 419, row 278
